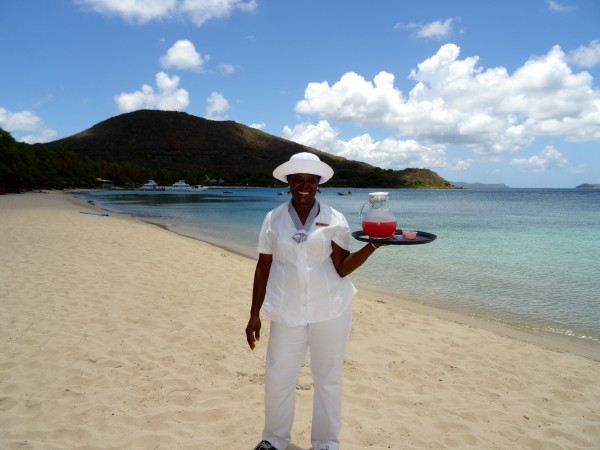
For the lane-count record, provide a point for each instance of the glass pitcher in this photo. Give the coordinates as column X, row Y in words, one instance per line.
column 379, row 221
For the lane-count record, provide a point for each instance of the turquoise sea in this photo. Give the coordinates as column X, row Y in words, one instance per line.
column 526, row 258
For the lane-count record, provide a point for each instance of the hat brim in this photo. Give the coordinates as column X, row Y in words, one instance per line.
column 303, row 166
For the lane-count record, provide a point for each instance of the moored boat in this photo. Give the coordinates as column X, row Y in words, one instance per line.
column 151, row 185
column 181, row 185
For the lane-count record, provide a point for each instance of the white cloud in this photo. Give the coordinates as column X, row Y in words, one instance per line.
column 217, row 106
column 389, row 153
column 202, row 10
column 548, row 159
column 25, row 121
column 183, row 55
column 258, row 126
column 22, row 120
column 354, row 99
column 586, row 56
column 45, row 135
column 168, row 96
column 454, row 101
column 555, row 6
column 226, row 69
column 435, row 30
column 142, row 11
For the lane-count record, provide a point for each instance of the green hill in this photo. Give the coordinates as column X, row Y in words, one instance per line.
column 167, row 146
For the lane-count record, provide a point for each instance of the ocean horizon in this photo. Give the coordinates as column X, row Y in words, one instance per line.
column 525, row 258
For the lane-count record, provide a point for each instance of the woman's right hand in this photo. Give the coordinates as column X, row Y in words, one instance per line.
column 261, row 277
column 253, row 331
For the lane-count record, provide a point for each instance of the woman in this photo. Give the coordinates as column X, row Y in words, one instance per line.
column 301, row 286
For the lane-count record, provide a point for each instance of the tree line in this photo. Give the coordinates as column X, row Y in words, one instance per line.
column 26, row 167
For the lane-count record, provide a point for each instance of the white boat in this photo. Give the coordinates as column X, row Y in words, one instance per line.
column 181, row 185
column 200, row 187
column 151, row 185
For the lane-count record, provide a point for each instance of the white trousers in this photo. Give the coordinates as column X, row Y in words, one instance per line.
column 286, row 352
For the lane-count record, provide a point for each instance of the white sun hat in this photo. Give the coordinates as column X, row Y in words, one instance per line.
column 304, row 163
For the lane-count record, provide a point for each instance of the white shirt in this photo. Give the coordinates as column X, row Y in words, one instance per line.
column 303, row 285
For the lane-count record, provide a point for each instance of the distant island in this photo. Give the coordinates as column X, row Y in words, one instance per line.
column 588, row 186
column 463, row 185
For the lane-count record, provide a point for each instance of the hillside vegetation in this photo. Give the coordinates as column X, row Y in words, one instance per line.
column 166, row 146
column 27, row 167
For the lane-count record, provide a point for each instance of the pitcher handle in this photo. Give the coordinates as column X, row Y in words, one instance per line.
column 361, row 209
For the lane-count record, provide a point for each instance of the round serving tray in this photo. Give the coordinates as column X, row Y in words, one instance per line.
column 397, row 239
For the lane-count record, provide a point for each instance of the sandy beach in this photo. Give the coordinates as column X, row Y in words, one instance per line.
column 118, row 334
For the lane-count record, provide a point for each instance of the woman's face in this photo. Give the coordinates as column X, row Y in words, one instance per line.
column 303, row 187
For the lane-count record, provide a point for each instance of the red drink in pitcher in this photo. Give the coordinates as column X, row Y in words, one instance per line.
column 379, row 229
column 379, row 222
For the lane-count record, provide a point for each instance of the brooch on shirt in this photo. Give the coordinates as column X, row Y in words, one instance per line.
column 321, row 224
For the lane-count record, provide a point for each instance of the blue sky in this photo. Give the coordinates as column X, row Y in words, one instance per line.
column 493, row 92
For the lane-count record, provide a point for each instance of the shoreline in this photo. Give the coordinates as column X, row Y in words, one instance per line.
column 119, row 334
column 543, row 339
column 579, row 346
